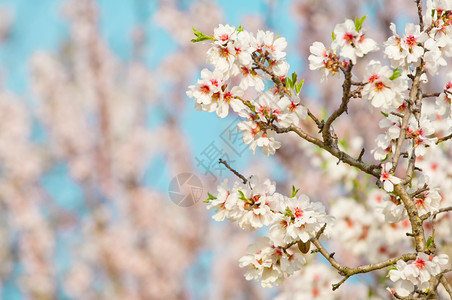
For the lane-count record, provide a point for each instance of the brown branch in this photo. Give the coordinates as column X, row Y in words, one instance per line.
column 346, row 86
column 441, row 210
column 446, row 285
column 348, row 272
column 416, row 222
column 412, row 100
column 314, row 118
column 233, row 171
column 335, row 151
column 419, row 13
column 445, row 138
column 260, row 65
column 432, row 95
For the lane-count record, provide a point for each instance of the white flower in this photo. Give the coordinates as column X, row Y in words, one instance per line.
column 267, row 141
column 406, row 50
column 392, row 208
column 299, row 220
column 416, row 273
column 381, row 90
column 388, row 179
column 322, row 59
column 223, row 34
column 209, row 84
column 254, row 136
column 230, row 98
column 275, row 47
column 352, row 44
column 223, row 58
column 251, row 78
column 244, row 46
column 433, row 57
column 224, row 203
column 269, row 263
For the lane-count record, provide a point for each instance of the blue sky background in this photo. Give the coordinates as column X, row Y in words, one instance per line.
column 40, row 26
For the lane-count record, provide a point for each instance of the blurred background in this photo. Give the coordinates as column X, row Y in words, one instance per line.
column 99, row 145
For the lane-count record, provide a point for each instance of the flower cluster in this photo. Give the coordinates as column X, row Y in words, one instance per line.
column 239, row 56
column 369, row 223
column 418, row 136
column 408, row 276
column 293, row 221
column 349, row 40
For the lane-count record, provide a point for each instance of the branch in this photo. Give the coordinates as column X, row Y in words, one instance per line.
column 441, row 210
column 445, row 138
column 275, row 78
column 342, row 156
column 419, row 13
column 446, row 285
column 417, row 229
column 406, row 118
column 327, row 138
column 432, row 95
column 233, row 171
column 348, row 272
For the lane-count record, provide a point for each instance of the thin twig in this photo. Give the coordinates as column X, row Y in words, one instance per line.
column 335, row 151
column 233, row 171
column 448, row 137
column 432, row 95
column 441, row 210
column 327, row 138
column 348, row 272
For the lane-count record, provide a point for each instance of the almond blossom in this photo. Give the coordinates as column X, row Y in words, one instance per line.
column 387, row 178
column 417, row 273
column 384, row 91
column 351, row 43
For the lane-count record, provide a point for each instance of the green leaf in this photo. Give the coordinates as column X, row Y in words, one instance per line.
column 294, row 191
column 429, row 242
column 298, row 86
column 242, row 196
column 211, row 197
column 288, row 213
column 294, row 78
column 201, row 36
column 359, row 23
column 396, row 74
column 384, row 114
column 240, row 29
column 333, row 36
column 288, row 83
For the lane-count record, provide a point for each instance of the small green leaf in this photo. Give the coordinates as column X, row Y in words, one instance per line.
column 429, row 242
column 294, row 77
column 384, row 114
column 396, row 74
column 242, row 196
column 333, row 36
column 359, row 23
column 201, row 36
column 294, row 191
column 288, row 213
column 288, row 83
column 240, row 29
column 298, row 86
column 211, row 197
